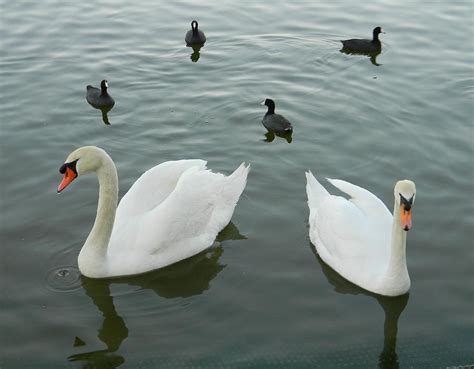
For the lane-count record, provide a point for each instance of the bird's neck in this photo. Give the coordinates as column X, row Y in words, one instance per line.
column 103, row 91
column 271, row 110
column 93, row 254
column 194, row 27
column 397, row 271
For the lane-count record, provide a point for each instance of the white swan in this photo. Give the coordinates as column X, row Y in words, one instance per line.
column 359, row 238
column 172, row 212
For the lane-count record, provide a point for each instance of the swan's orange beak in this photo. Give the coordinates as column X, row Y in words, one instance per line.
column 69, row 176
column 405, row 218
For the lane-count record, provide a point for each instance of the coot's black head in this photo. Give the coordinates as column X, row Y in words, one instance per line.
column 103, row 85
column 269, row 102
column 377, row 31
column 194, row 26
column 271, row 105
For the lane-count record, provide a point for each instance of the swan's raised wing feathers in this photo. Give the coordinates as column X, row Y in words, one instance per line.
column 372, row 208
column 154, row 186
column 358, row 195
column 202, row 203
column 183, row 224
column 315, row 190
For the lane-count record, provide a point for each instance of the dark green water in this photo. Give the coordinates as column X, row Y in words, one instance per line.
column 261, row 298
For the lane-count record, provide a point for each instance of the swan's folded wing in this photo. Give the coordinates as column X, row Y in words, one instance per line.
column 339, row 225
column 200, row 206
column 352, row 235
column 153, row 187
column 184, row 224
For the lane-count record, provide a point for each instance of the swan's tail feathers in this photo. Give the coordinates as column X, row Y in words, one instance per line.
column 236, row 183
column 315, row 190
column 232, row 189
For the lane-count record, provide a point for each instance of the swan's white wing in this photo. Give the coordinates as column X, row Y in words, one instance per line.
column 153, row 187
column 352, row 236
column 201, row 205
column 182, row 225
column 363, row 199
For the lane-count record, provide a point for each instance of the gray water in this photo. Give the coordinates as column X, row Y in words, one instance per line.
column 260, row 298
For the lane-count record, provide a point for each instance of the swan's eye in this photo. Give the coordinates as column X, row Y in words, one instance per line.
column 405, row 202
column 71, row 165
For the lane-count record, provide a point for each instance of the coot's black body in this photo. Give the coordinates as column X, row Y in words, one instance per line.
column 195, row 35
column 356, row 45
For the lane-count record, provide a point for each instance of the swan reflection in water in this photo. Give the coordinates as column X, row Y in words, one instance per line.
column 372, row 55
column 196, row 51
column 392, row 306
column 184, row 279
column 270, row 136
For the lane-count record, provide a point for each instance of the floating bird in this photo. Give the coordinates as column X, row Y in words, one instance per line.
column 173, row 211
column 359, row 238
column 275, row 122
column 99, row 98
column 363, row 45
column 195, row 35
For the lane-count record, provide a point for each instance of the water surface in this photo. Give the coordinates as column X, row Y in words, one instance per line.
column 260, row 298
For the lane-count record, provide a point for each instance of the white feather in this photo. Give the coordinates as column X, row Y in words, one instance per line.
column 354, row 236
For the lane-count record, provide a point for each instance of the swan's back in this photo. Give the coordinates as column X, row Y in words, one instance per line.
column 177, row 221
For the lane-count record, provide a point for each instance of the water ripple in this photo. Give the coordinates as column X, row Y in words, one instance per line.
column 63, row 279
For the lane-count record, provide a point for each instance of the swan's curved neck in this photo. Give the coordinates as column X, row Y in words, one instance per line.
column 397, row 268
column 93, row 253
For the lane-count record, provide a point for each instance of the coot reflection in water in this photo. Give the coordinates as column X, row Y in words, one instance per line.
column 196, row 51
column 371, row 55
column 184, row 279
column 270, row 136
column 104, row 111
column 392, row 306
